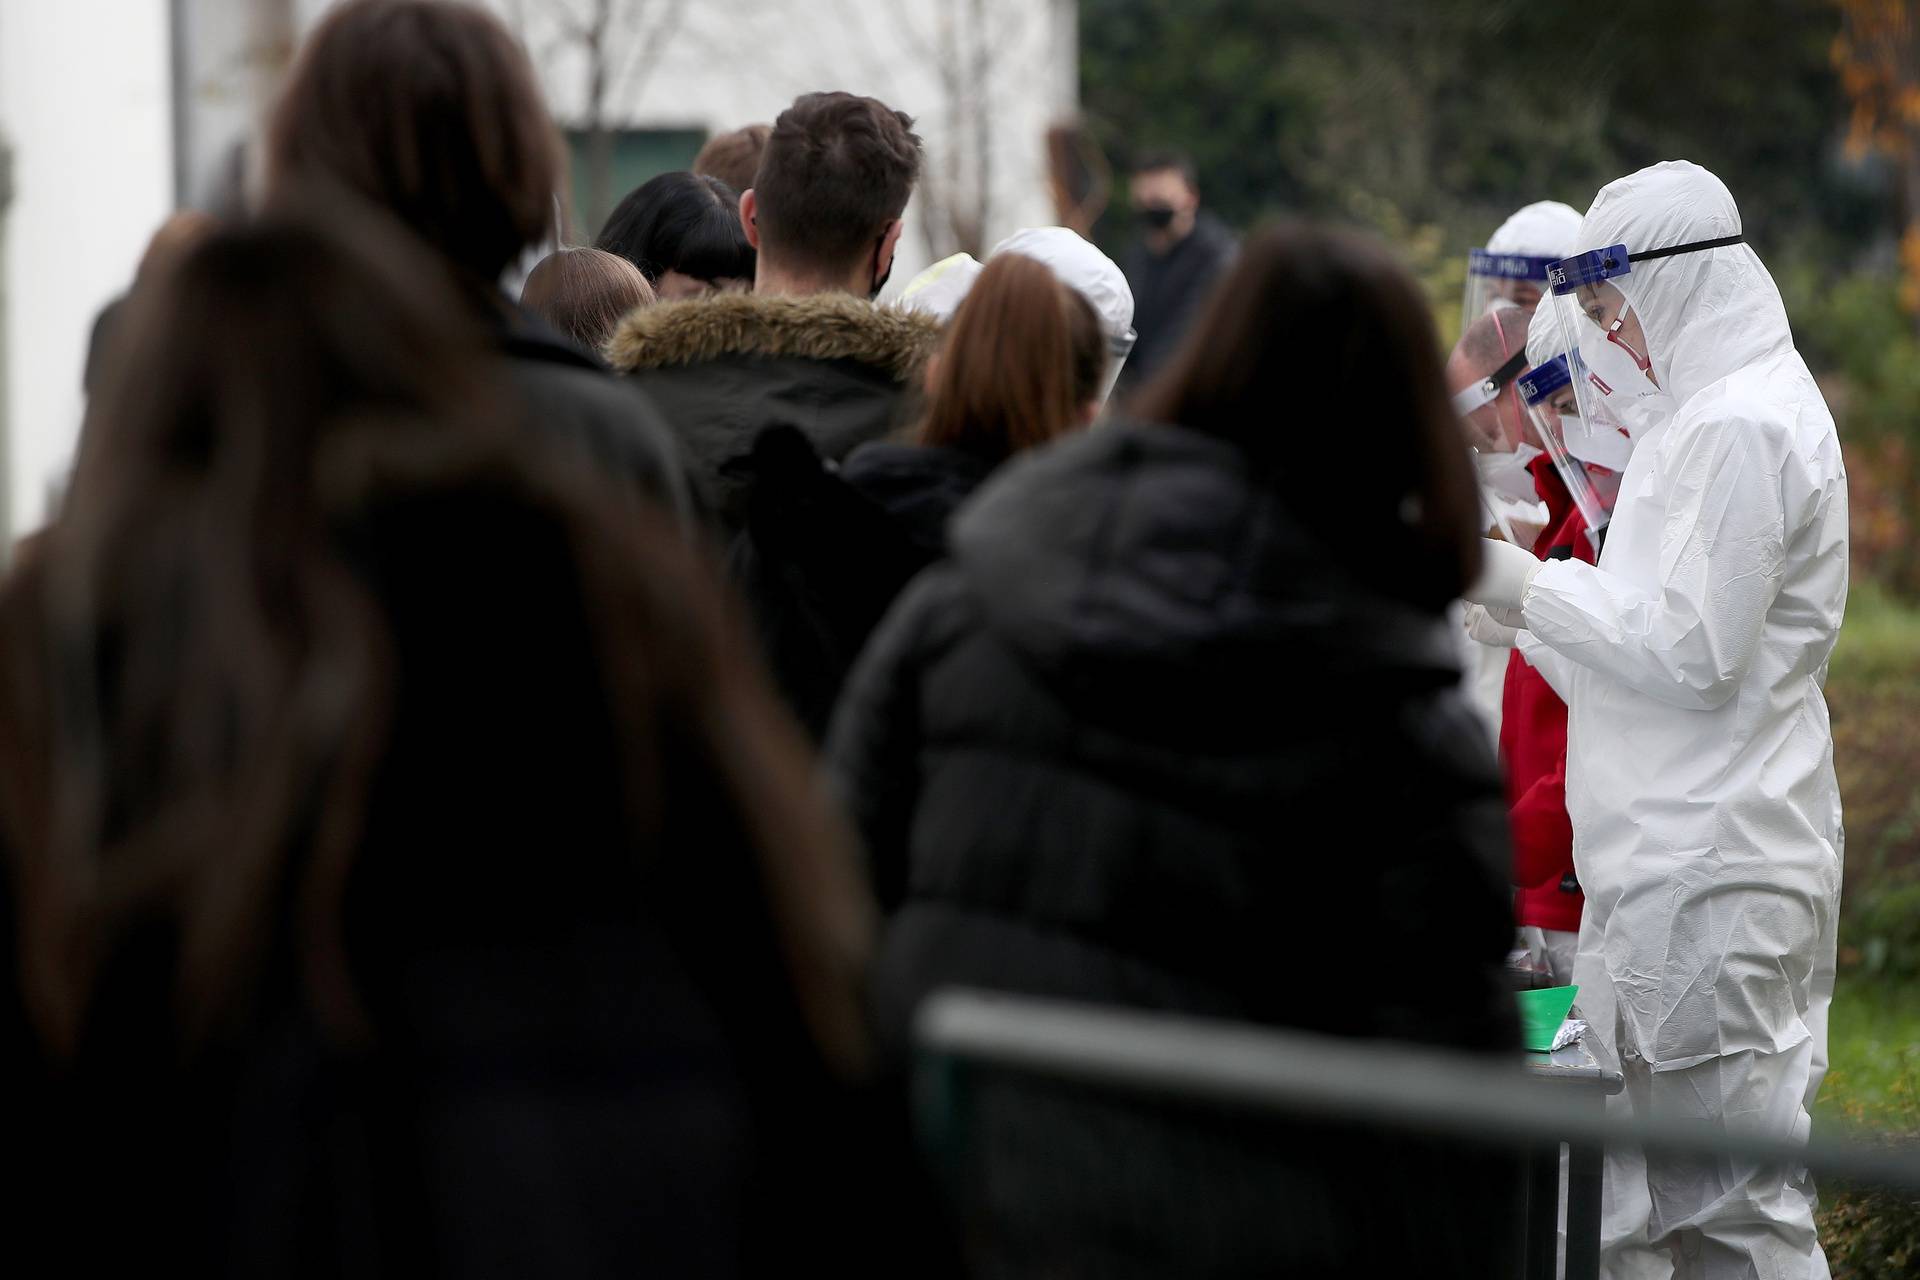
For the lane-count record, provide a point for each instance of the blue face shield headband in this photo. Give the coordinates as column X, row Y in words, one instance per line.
column 1597, row 266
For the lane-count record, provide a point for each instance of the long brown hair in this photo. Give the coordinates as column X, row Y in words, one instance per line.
column 1317, row 355
column 195, row 672
column 1021, row 362
column 431, row 111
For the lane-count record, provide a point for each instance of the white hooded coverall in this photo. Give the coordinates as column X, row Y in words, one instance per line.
column 1700, row 778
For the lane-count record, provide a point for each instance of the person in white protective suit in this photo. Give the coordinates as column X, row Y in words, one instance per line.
column 1700, row 780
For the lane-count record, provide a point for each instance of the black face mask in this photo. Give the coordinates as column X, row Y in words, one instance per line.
column 1157, row 216
column 873, row 293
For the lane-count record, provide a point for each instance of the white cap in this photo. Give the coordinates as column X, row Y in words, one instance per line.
column 942, row 287
column 1083, row 268
column 1544, row 229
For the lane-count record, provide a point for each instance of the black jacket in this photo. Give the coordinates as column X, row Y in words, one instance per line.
column 917, row 485
column 721, row 370
column 586, row 1057
column 605, row 421
column 1136, row 742
column 826, row 550
column 820, row 557
column 1168, row 290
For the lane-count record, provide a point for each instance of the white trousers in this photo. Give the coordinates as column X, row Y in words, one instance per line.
column 1716, row 1219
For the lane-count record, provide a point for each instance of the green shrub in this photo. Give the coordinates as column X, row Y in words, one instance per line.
column 1870, row 1233
column 1884, row 927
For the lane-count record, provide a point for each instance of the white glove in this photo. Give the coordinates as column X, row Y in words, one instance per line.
column 1534, row 939
column 1505, row 573
column 1499, row 628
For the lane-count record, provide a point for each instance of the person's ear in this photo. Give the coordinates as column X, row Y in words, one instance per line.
column 747, row 224
column 883, row 261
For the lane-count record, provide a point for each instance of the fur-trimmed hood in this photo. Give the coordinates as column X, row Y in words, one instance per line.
column 823, row 326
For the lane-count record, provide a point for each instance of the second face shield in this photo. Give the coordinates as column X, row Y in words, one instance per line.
column 1501, row 279
column 1553, row 400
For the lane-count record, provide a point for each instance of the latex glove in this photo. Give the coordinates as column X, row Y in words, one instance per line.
column 1500, row 628
column 1505, row 573
column 1527, row 526
column 1534, row 939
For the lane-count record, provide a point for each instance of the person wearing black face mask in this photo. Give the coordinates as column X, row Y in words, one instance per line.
column 1181, row 252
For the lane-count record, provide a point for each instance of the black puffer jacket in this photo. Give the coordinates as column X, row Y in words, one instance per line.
column 1138, row 743
column 607, row 422
column 722, row 370
column 921, row 486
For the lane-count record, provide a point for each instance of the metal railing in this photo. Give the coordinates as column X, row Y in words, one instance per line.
column 1082, row 1140
column 1299, row 1074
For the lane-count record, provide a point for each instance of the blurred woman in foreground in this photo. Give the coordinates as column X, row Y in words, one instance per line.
column 407, row 869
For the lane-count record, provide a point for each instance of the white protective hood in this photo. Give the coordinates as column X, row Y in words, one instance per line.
column 1707, row 313
column 1543, row 229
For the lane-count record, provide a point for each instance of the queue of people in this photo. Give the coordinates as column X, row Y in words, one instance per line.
column 491, row 779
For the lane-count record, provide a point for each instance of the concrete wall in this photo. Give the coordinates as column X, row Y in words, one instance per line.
column 84, row 102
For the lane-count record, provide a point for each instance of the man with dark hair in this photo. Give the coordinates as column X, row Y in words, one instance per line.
column 733, row 156
column 833, row 181
column 807, row 348
column 1181, row 252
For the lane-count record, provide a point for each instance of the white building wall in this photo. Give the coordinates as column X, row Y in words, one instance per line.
column 726, row 63
column 87, row 100
column 84, row 103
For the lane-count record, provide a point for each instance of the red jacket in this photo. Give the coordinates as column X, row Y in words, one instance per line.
column 1533, row 746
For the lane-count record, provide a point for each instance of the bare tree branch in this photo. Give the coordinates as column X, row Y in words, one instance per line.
column 649, row 44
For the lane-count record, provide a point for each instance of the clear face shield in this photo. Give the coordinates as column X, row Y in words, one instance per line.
column 1553, row 403
column 1595, row 303
column 1600, row 328
column 1507, row 499
column 1495, row 279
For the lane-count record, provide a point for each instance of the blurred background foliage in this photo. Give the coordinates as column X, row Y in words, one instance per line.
column 1429, row 121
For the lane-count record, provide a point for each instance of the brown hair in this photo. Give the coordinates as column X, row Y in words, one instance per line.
column 431, row 111
column 1021, row 361
column 837, row 169
column 584, row 293
column 734, row 156
column 1317, row 355
column 197, row 668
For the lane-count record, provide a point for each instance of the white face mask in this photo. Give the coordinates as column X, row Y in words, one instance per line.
column 1630, row 399
column 1599, row 442
column 1506, row 473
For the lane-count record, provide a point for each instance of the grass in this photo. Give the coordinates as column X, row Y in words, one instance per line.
column 1880, row 635
column 1873, row 1043
column 1874, row 692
